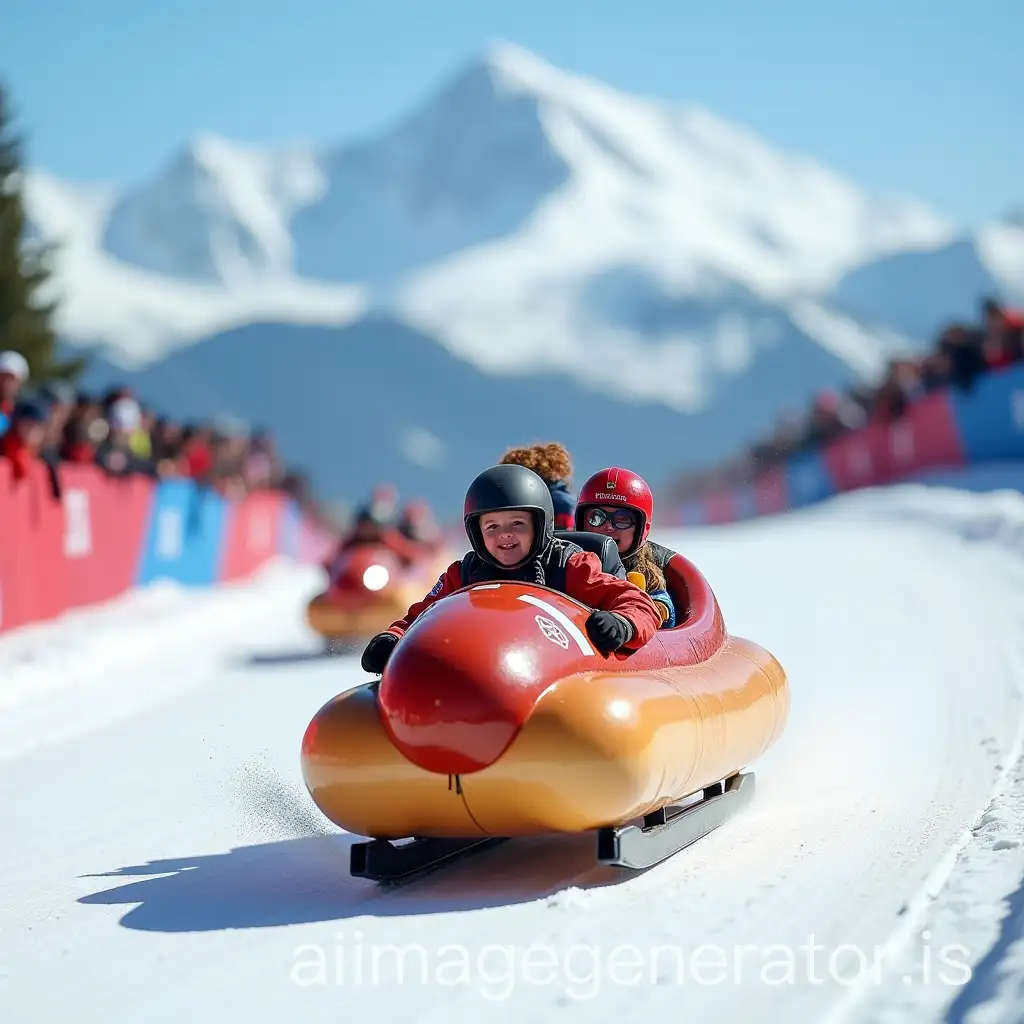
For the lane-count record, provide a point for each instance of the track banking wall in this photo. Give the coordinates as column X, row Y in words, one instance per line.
column 945, row 430
column 104, row 535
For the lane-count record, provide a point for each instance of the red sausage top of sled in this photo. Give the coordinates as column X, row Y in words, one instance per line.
column 470, row 669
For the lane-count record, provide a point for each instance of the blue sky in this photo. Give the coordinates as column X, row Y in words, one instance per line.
column 919, row 97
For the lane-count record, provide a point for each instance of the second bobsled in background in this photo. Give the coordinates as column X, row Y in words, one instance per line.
column 371, row 587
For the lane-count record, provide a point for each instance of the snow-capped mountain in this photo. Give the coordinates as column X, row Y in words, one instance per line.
column 135, row 314
column 489, row 218
column 586, row 178
column 531, row 222
column 220, row 213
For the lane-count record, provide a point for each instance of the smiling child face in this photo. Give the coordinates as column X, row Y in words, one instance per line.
column 508, row 536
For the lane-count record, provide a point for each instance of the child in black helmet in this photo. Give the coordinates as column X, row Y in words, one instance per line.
column 509, row 519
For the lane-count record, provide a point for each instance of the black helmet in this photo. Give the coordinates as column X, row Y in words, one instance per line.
column 506, row 487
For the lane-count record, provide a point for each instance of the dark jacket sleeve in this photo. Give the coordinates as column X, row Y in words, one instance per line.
column 585, row 581
column 448, row 583
column 563, row 500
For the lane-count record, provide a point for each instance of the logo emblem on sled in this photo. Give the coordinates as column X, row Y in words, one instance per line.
column 552, row 631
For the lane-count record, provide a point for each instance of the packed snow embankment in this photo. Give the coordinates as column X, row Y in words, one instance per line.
column 98, row 664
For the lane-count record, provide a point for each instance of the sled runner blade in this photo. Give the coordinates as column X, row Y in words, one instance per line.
column 383, row 861
column 636, row 848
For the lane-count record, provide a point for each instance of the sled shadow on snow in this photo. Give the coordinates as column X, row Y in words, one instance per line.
column 307, row 880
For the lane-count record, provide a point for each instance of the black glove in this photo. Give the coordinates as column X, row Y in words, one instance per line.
column 377, row 652
column 608, row 631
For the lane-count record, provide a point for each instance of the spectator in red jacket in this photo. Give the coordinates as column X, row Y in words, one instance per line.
column 510, row 521
column 78, row 445
column 13, row 374
column 196, row 457
column 23, row 441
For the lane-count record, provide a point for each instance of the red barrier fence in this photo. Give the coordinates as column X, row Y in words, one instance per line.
column 103, row 528
column 103, row 535
column 950, row 428
column 252, row 531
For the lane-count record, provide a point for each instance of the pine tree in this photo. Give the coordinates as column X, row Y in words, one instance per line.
column 25, row 268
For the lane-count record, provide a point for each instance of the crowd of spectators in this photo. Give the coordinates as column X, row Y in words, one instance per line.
column 56, row 424
column 962, row 352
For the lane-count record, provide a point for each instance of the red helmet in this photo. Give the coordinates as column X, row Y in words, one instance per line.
column 623, row 487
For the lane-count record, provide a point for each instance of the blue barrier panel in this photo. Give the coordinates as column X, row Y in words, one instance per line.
column 185, row 536
column 691, row 513
column 990, row 417
column 808, row 480
column 288, row 531
column 744, row 502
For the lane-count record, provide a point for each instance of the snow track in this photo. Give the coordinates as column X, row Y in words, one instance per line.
column 160, row 859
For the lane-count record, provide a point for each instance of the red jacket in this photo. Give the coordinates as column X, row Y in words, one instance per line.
column 19, row 454
column 584, row 581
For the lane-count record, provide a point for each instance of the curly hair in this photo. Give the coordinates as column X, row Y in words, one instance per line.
column 642, row 561
column 551, row 462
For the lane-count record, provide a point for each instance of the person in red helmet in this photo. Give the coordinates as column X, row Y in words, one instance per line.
column 619, row 503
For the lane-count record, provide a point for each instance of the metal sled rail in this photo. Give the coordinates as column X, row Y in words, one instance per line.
column 665, row 833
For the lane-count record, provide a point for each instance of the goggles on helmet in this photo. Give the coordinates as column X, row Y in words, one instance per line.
column 620, row 518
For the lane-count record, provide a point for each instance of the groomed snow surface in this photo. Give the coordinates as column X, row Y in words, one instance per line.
column 160, row 859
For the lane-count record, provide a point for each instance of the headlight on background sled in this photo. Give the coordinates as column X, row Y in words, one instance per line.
column 376, row 577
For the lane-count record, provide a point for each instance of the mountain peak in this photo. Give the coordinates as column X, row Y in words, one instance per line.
column 506, row 70
column 209, row 150
column 514, row 65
